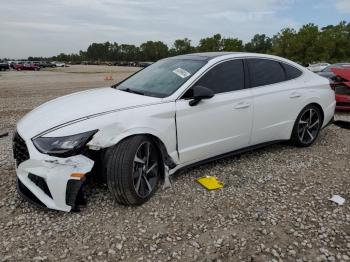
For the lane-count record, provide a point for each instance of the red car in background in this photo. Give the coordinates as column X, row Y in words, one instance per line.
column 341, row 85
column 26, row 66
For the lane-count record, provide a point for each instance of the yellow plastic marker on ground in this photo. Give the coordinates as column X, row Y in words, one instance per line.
column 210, row 182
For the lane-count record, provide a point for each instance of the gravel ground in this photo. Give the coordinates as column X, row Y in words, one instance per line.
column 274, row 206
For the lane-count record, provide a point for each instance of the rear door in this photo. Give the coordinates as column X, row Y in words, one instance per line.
column 277, row 91
column 220, row 124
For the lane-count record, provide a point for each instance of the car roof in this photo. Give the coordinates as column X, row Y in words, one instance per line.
column 205, row 56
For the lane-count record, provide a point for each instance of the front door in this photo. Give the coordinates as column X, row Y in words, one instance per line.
column 218, row 125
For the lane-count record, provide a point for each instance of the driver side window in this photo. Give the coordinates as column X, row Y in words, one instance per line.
column 225, row 77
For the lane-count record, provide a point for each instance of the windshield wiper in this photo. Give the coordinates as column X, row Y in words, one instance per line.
column 132, row 91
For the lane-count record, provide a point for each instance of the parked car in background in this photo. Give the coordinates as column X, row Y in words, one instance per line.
column 341, row 86
column 4, row 66
column 26, row 66
column 12, row 64
column 328, row 73
column 317, row 67
column 44, row 64
column 145, row 64
column 58, row 64
column 177, row 112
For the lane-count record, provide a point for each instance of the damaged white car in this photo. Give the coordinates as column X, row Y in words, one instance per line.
column 175, row 113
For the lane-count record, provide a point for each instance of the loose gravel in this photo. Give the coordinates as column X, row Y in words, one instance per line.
column 274, row 205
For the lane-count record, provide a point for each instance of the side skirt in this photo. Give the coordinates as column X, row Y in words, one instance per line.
column 232, row 153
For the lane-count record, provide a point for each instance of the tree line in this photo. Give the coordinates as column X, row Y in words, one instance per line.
column 307, row 45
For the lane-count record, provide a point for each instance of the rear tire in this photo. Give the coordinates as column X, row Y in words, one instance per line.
column 307, row 126
column 133, row 170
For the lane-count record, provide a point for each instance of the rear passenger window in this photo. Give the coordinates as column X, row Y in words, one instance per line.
column 225, row 77
column 265, row 72
column 291, row 71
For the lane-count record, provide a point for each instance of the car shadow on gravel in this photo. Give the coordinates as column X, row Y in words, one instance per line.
column 342, row 124
column 233, row 178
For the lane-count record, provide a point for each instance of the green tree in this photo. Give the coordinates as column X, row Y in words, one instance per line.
column 182, row 46
column 306, row 44
column 98, row 51
column 309, row 44
column 113, row 52
column 210, row 44
column 153, row 51
column 334, row 42
column 128, row 53
column 283, row 44
column 231, row 44
column 259, row 44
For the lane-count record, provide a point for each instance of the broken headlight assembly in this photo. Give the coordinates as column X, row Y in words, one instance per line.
column 64, row 146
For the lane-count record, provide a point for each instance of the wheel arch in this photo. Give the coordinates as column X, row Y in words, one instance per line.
column 103, row 141
column 166, row 159
column 305, row 105
column 319, row 107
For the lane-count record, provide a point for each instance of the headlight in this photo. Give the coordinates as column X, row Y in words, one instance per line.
column 63, row 146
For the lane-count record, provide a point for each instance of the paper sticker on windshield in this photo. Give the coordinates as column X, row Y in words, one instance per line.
column 181, row 72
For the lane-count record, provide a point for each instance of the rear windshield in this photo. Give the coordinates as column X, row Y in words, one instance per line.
column 162, row 78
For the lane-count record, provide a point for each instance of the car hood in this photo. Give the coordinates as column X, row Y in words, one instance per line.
column 78, row 106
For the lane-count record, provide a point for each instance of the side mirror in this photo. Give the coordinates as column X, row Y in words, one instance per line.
column 199, row 93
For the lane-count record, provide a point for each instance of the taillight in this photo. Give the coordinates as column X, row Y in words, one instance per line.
column 332, row 84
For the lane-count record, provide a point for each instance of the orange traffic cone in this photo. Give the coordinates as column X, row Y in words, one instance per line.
column 108, row 78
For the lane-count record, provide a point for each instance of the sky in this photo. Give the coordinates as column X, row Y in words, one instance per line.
column 49, row 27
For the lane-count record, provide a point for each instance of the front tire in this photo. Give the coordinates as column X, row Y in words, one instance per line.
column 133, row 170
column 307, row 126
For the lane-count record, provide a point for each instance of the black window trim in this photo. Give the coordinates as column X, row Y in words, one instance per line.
column 275, row 60
column 245, row 79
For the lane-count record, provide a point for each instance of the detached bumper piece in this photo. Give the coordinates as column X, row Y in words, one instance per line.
column 74, row 193
column 50, row 182
column 28, row 195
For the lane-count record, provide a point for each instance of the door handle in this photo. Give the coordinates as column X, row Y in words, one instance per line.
column 294, row 95
column 242, row 105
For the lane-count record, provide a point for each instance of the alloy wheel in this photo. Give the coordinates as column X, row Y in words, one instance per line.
column 308, row 126
column 145, row 169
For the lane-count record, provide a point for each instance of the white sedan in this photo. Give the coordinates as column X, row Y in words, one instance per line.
column 178, row 112
column 317, row 67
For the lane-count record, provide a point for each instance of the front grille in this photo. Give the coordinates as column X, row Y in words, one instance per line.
column 41, row 183
column 343, row 104
column 20, row 150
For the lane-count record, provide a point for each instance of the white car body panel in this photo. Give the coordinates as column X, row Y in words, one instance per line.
column 227, row 122
column 77, row 107
column 198, row 133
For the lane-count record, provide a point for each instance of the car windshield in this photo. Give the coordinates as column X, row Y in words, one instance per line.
column 162, row 78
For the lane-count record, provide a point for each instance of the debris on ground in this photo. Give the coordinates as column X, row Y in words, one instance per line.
column 210, row 182
column 337, row 199
column 4, row 135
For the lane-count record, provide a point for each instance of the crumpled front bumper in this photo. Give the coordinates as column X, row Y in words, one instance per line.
column 48, row 181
